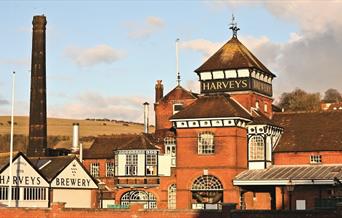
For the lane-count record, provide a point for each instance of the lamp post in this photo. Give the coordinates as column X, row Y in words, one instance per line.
column 290, row 188
column 101, row 186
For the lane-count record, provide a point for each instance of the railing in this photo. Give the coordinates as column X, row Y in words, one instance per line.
column 137, row 181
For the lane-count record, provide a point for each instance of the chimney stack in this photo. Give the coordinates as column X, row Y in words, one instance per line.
column 159, row 90
column 75, row 137
column 146, row 112
column 38, row 125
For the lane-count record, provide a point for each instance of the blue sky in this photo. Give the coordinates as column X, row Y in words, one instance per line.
column 103, row 57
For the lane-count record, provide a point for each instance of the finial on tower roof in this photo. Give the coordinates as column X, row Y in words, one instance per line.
column 233, row 27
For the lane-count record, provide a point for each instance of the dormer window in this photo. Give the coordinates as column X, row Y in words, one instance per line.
column 316, row 159
column 177, row 107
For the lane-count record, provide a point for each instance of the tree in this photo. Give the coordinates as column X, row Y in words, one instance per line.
column 299, row 100
column 332, row 95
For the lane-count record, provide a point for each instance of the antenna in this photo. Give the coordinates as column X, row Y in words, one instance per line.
column 233, row 27
column 177, row 63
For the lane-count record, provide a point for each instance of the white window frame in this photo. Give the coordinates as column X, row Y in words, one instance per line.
column 95, row 169
column 206, row 144
column 171, row 196
column 256, row 148
column 173, row 107
column 170, row 149
column 151, row 164
column 315, row 159
column 110, row 169
column 131, row 167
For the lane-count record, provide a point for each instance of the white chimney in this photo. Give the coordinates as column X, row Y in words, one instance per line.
column 146, row 112
column 75, row 137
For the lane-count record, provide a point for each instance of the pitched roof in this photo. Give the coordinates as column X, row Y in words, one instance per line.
column 211, row 106
column 233, row 55
column 284, row 174
column 54, row 165
column 310, row 131
column 104, row 146
column 179, row 93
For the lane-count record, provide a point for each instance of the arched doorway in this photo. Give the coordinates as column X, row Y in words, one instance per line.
column 141, row 197
column 207, row 192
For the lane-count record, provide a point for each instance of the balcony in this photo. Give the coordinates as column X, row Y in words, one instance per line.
column 128, row 182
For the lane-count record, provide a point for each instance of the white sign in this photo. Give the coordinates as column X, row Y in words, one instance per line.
column 23, row 174
column 74, row 176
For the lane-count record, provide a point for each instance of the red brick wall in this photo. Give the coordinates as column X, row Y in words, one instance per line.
column 249, row 99
column 295, row 158
column 164, row 110
column 229, row 159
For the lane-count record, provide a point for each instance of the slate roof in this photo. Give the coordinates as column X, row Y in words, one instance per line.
column 302, row 172
column 104, row 146
column 179, row 93
column 54, row 165
column 211, row 106
column 309, row 131
column 233, row 55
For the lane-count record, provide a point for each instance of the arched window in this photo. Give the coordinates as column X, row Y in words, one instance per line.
column 207, row 192
column 256, row 148
column 171, row 199
column 206, row 143
column 142, row 197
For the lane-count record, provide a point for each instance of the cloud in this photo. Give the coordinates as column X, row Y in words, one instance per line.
column 145, row 29
column 309, row 59
column 23, row 62
column 100, row 54
column 95, row 105
column 3, row 102
column 192, row 85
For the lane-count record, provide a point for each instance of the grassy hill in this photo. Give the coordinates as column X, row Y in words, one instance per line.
column 60, row 131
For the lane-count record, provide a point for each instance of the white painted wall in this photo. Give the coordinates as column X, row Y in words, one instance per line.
column 122, row 163
column 164, row 167
column 256, row 165
column 74, row 198
column 141, row 164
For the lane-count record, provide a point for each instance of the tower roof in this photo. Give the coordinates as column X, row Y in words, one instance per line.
column 233, row 55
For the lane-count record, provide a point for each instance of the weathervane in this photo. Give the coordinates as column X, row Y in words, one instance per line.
column 233, row 26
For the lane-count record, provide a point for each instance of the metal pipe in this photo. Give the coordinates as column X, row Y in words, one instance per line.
column 75, row 137
column 146, row 117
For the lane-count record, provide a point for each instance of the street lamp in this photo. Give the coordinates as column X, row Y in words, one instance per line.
column 290, row 188
column 102, row 187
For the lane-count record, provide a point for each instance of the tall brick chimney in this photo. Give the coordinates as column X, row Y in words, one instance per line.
column 159, row 90
column 38, row 129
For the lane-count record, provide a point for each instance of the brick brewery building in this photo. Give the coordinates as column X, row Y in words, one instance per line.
column 222, row 145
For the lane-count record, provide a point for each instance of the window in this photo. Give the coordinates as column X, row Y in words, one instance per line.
column 141, row 197
column 131, row 164
column 151, row 164
column 170, row 149
column 265, row 107
column 95, row 169
column 315, row 159
column 256, row 148
column 207, row 192
column 177, row 108
column 206, row 143
column 34, row 193
column 3, row 193
column 116, row 161
column 257, row 104
column 171, row 199
column 109, row 169
column 15, row 193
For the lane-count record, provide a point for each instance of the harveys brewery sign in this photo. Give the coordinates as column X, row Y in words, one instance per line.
column 23, row 174
column 236, row 84
column 74, row 176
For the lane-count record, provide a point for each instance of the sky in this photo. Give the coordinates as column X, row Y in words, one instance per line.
column 104, row 57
